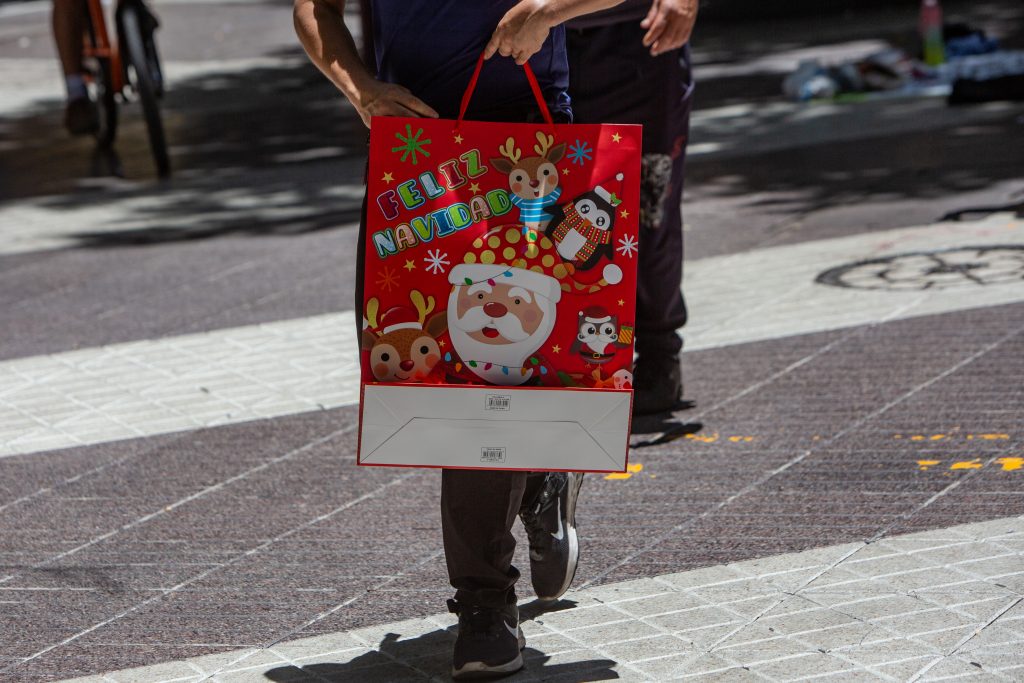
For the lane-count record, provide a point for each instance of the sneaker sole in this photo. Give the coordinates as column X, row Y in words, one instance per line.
column 570, row 532
column 479, row 670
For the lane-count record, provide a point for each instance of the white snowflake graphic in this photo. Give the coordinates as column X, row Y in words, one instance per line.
column 436, row 261
column 627, row 245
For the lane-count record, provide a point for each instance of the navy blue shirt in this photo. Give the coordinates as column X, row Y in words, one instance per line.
column 431, row 48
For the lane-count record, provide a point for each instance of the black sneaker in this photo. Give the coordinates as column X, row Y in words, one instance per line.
column 551, row 527
column 81, row 116
column 489, row 642
column 657, row 384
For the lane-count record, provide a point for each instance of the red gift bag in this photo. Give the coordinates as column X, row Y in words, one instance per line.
column 499, row 292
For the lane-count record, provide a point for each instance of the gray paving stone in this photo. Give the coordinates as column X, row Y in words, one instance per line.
column 951, row 668
column 812, row 664
column 648, row 648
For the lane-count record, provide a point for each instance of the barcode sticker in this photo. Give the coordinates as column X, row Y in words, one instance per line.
column 498, row 402
column 492, row 454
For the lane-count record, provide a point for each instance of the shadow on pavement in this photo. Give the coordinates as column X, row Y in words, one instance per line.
column 427, row 652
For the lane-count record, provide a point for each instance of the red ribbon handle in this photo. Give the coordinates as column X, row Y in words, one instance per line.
column 530, row 78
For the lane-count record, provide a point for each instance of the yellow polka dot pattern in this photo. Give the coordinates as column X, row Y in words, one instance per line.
column 534, row 253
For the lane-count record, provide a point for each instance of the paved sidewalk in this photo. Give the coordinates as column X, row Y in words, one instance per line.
column 938, row 605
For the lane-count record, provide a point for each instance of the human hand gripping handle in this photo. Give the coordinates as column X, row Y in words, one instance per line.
column 530, row 78
column 521, row 32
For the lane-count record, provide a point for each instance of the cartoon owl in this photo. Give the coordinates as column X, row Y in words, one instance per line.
column 597, row 336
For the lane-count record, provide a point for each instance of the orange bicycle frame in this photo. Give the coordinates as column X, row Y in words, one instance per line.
column 102, row 47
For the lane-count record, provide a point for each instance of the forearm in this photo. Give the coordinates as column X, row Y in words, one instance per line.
column 523, row 29
column 321, row 28
column 561, row 11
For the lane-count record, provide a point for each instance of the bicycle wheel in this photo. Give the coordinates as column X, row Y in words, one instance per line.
column 139, row 66
column 106, row 103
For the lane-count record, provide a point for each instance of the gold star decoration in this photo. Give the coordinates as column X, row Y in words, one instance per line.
column 409, row 265
column 624, row 213
column 458, row 139
column 556, row 349
column 388, row 178
column 565, row 171
column 475, row 187
column 616, row 137
column 441, row 343
column 622, row 302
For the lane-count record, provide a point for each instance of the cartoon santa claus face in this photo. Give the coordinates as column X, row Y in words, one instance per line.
column 499, row 318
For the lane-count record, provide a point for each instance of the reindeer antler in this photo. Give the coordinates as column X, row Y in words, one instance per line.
column 510, row 151
column 372, row 306
column 422, row 307
column 545, row 144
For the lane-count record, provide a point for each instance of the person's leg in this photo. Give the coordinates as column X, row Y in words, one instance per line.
column 661, row 309
column 613, row 79
column 68, row 28
column 478, row 508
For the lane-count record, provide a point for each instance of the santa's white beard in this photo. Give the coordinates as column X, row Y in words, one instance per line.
column 512, row 354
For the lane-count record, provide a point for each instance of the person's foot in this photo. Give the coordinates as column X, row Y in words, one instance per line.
column 81, row 117
column 489, row 642
column 657, row 384
column 551, row 527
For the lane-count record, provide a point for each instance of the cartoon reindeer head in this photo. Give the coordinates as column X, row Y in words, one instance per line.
column 401, row 348
column 533, row 177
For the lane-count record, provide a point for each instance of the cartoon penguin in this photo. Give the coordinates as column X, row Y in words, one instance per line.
column 582, row 229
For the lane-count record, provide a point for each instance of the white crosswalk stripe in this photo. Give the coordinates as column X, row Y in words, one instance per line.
column 235, row 375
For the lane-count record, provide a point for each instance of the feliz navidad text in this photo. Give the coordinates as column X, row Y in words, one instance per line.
column 415, row 192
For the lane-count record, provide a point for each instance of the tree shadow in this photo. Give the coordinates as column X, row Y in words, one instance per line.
column 429, row 655
column 269, row 150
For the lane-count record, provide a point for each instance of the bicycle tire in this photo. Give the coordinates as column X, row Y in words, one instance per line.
column 136, row 58
column 106, row 102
